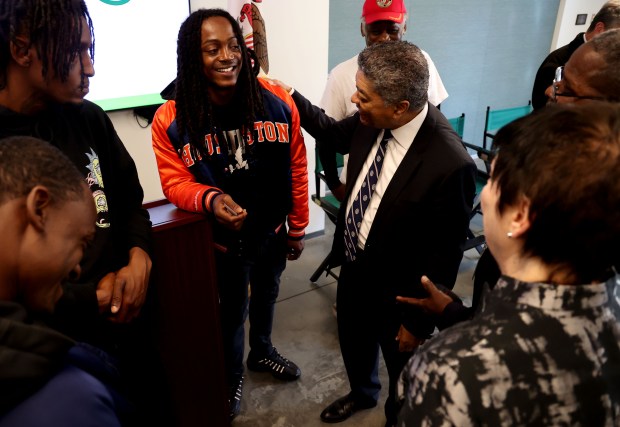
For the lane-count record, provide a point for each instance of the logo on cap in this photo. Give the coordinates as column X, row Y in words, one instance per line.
column 384, row 3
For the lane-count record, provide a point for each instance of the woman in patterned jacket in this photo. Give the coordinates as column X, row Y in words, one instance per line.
column 545, row 347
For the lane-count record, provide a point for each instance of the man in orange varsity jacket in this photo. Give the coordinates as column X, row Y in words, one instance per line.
column 230, row 145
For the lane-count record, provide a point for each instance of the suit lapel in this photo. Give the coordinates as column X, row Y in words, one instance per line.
column 407, row 169
column 410, row 164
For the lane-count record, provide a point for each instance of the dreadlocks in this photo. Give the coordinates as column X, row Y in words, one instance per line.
column 54, row 27
column 193, row 106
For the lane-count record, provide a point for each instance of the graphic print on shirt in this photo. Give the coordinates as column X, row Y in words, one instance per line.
column 94, row 179
column 239, row 159
column 241, row 163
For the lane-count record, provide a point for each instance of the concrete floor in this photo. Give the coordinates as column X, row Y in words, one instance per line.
column 305, row 332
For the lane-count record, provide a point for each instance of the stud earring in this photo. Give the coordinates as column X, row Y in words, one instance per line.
column 509, row 234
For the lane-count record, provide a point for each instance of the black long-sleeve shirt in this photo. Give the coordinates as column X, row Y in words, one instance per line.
column 86, row 135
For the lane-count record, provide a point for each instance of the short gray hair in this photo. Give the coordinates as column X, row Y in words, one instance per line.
column 607, row 79
column 398, row 72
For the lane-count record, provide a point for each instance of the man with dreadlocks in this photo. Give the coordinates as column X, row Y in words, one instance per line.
column 46, row 60
column 229, row 145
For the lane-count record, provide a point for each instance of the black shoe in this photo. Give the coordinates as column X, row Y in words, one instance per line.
column 343, row 408
column 234, row 398
column 279, row 366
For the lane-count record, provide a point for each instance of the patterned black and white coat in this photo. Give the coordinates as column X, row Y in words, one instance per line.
column 535, row 354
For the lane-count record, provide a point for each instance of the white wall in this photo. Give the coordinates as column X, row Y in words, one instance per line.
column 565, row 28
column 293, row 30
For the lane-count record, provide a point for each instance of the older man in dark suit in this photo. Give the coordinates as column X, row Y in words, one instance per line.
column 415, row 223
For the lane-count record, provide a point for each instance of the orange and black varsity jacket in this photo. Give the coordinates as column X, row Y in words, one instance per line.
column 264, row 170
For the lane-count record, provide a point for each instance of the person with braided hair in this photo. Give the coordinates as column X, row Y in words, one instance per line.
column 46, row 61
column 229, row 145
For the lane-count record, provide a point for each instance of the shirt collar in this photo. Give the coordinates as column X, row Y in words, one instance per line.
column 405, row 134
column 548, row 296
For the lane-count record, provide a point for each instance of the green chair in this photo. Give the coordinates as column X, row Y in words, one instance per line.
column 496, row 119
column 474, row 241
column 458, row 124
column 328, row 203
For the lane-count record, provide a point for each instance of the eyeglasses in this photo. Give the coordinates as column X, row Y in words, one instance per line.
column 559, row 75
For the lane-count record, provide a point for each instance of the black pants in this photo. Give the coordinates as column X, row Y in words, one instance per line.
column 368, row 321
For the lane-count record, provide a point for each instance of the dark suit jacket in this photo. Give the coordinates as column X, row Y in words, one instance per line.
column 546, row 71
column 420, row 226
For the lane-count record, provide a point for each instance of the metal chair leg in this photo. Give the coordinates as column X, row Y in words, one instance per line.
column 322, row 267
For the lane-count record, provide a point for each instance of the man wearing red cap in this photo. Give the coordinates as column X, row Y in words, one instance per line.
column 382, row 20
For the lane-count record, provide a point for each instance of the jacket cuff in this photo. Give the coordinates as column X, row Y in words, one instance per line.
column 207, row 199
column 417, row 323
column 452, row 314
column 296, row 234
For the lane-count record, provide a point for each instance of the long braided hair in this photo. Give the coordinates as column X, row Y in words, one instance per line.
column 194, row 109
column 53, row 27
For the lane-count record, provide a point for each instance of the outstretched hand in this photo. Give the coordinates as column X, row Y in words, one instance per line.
column 436, row 301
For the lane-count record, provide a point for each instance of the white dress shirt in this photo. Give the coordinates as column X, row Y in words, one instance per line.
column 396, row 148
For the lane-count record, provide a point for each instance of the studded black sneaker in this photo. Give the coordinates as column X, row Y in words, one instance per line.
column 279, row 366
column 234, row 398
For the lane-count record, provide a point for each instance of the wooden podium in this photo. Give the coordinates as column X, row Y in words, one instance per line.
column 186, row 323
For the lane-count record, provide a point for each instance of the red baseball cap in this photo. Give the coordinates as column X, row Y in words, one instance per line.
column 384, row 10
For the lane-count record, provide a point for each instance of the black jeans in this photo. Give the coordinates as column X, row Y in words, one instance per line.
column 259, row 267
